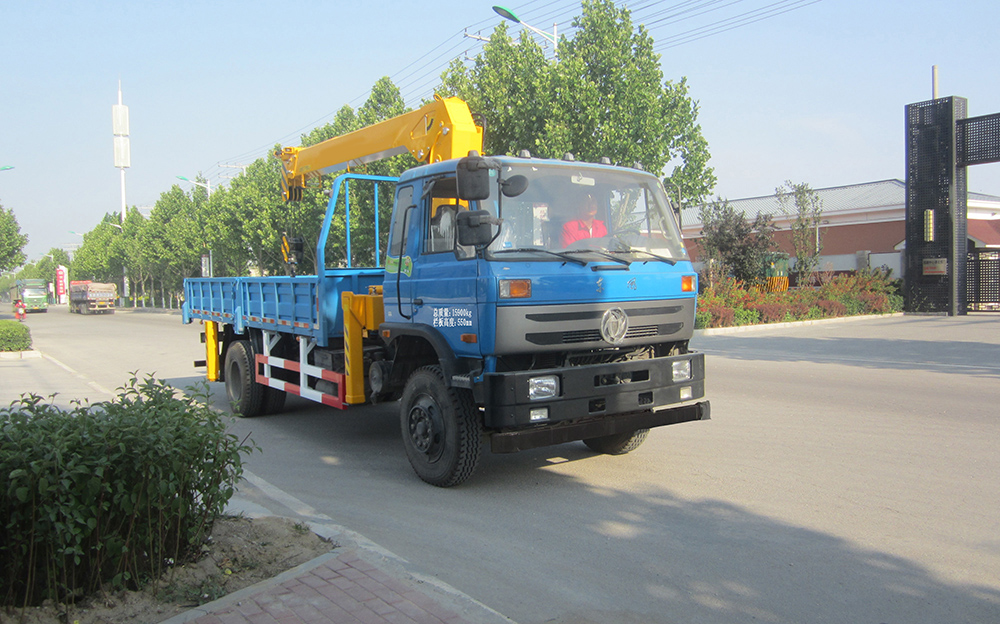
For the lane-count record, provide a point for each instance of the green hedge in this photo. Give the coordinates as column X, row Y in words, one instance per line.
column 109, row 494
column 729, row 303
column 14, row 336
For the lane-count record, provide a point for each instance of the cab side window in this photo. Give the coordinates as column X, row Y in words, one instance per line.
column 440, row 226
column 404, row 199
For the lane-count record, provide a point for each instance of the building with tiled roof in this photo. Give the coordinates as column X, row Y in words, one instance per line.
column 862, row 224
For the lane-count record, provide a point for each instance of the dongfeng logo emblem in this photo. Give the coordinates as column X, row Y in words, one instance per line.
column 614, row 324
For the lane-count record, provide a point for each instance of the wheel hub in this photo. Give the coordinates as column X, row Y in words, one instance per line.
column 424, row 428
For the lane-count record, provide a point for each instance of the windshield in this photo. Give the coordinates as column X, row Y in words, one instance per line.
column 584, row 212
column 35, row 292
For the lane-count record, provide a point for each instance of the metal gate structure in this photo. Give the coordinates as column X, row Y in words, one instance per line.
column 940, row 143
column 984, row 280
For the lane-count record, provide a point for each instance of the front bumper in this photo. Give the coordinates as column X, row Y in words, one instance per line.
column 560, row 433
column 592, row 391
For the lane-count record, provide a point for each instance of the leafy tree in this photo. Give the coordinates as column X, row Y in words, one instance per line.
column 12, row 242
column 731, row 244
column 505, row 81
column 45, row 267
column 603, row 97
column 172, row 241
column 803, row 202
column 99, row 258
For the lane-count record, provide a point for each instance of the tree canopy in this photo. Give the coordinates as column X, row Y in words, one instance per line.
column 807, row 240
column 731, row 244
column 12, row 241
column 604, row 96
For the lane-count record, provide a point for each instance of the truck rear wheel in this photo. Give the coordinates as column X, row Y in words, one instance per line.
column 617, row 444
column 246, row 396
column 274, row 400
column 441, row 428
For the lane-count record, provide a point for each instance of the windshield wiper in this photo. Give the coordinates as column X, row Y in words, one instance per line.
column 600, row 253
column 565, row 257
column 669, row 261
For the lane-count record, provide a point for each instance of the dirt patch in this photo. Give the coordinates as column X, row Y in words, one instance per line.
column 240, row 552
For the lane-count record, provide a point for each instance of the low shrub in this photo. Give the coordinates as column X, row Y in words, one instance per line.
column 702, row 318
column 746, row 316
column 832, row 308
column 720, row 316
column 109, row 493
column 14, row 336
column 774, row 312
column 729, row 302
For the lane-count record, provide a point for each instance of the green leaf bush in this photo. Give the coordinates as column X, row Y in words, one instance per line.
column 14, row 336
column 730, row 303
column 109, row 494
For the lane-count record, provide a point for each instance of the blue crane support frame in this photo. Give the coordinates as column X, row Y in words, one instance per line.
column 343, row 182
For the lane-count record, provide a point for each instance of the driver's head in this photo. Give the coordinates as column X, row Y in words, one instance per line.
column 589, row 206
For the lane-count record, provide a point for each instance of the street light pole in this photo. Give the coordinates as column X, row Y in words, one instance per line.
column 207, row 264
column 552, row 37
column 206, row 185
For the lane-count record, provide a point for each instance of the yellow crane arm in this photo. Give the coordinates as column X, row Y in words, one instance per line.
column 441, row 130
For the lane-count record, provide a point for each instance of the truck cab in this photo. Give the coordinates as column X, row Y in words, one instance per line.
column 557, row 335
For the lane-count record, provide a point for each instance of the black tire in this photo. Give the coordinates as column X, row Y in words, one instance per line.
column 246, row 396
column 442, row 429
column 617, row 444
column 274, row 400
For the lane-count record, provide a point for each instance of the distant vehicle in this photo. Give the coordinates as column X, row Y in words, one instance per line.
column 86, row 297
column 33, row 292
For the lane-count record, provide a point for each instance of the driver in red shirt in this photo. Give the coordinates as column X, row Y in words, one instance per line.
column 587, row 226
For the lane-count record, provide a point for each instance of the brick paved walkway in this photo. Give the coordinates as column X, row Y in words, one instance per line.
column 340, row 588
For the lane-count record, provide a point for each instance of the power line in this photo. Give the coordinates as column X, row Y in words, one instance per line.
column 417, row 79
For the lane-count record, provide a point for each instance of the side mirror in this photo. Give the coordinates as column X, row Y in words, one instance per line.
column 475, row 227
column 473, row 178
column 514, row 186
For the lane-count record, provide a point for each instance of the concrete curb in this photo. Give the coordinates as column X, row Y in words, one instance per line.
column 20, row 355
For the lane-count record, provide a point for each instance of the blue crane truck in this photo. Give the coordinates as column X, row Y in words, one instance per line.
column 503, row 313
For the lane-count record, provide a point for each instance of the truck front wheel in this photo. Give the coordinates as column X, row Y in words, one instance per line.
column 617, row 444
column 246, row 396
column 441, row 428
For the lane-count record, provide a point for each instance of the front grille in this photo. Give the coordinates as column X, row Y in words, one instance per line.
column 594, row 335
column 585, row 335
column 642, row 331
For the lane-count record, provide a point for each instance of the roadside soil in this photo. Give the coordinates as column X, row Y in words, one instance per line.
column 240, row 552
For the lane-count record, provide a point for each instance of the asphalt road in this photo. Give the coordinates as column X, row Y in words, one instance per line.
column 850, row 473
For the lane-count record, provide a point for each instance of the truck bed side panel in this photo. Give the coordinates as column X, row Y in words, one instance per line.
column 210, row 299
column 284, row 304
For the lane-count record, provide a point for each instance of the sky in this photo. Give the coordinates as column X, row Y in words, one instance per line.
column 803, row 90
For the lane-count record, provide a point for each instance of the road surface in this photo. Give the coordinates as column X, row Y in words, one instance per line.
column 850, row 473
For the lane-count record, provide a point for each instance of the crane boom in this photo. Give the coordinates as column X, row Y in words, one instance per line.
column 441, row 130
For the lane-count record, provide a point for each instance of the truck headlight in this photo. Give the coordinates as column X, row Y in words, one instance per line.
column 681, row 370
column 545, row 387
